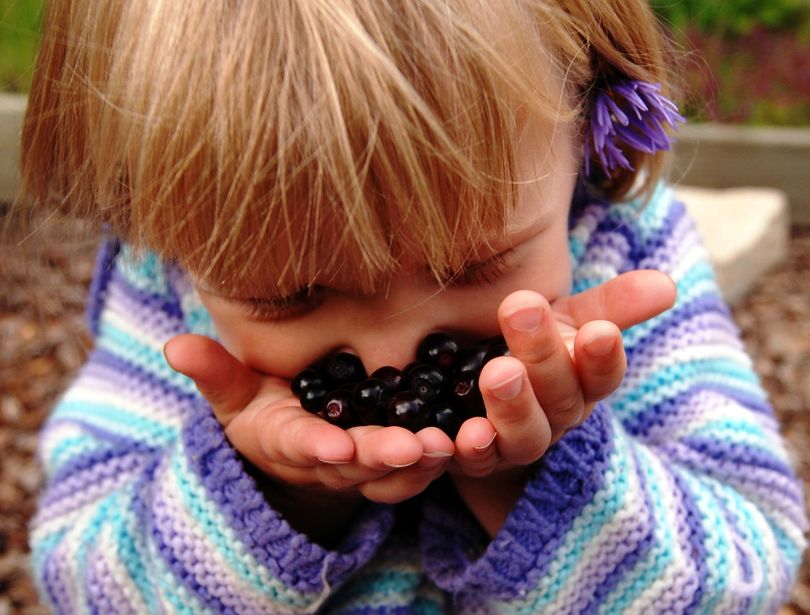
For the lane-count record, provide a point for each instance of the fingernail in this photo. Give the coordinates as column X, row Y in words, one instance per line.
column 484, row 447
column 508, row 388
column 398, row 466
column 527, row 319
column 333, row 462
column 437, row 454
column 600, row 345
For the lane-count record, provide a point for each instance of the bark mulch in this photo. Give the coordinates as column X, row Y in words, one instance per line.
column 43, row 341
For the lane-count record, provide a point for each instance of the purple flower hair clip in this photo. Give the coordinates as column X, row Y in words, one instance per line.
column 628, row 113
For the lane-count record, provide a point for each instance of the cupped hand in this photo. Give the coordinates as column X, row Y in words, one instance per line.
column 299, row 450
column 564, row 357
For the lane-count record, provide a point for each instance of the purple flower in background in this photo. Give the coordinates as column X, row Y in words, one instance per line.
column 628, row 113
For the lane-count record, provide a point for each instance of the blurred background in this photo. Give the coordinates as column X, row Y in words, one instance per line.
column 746, row 67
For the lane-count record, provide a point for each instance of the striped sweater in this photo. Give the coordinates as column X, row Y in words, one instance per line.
column 676, row 495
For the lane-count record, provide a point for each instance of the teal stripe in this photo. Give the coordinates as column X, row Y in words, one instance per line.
column 752, row 539
column 714, row 529
column 381, row 587
column 144, row 272
column 70, row 448
column 673, row 379
column 173, row 591
column 659, row 558
column 612, row 500
column 115, row 419
column 128, row 551
column 123, row 345
column 241, row 563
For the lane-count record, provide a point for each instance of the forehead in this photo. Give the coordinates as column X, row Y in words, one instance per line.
column 546, row 168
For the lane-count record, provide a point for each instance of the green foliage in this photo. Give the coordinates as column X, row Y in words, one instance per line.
column 20, row 24
column 733, row 17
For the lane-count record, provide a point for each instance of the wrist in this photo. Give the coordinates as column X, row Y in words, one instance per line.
column 492, row 498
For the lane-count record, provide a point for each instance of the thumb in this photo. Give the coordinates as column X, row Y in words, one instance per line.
column 225, row 382
column 626, row 300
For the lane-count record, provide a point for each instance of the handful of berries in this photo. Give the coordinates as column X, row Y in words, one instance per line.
column 439, row 389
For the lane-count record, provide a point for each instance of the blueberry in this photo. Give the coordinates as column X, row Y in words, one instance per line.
column 466, row 395
column 337, row 409
column 496, row 349
column 408, row 411
column 472, row 359
column 345, row 367
column 391, row 376
column 440, row 350
column 370, row 401
column 312, row 398
column 448, row 419
column 428, row 382
column 306, row 379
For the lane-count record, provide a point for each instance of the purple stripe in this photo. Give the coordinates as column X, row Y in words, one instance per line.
column 743, row 458
column 696, row 538
column 567, row 478
column 291, row 557
column 73, row 481
column 102, row 363
column 639, row 552
column 56, row 581
column 167, row 302
column 670, row 409
column 98, row 286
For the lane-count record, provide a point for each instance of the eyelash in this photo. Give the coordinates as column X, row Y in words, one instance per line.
column 281, row 308
column 310, row 297
column 485, row 272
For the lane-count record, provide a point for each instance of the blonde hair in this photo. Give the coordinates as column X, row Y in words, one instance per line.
column 291, row 138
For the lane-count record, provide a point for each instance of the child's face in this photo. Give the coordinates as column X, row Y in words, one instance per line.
column 385, row 328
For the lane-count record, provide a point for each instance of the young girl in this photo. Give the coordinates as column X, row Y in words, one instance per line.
column 285, row 180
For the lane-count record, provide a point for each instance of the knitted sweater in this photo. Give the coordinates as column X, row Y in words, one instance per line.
column 676, row 495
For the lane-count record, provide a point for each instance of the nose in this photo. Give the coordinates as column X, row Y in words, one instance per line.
column 387, row 330
column 392, row 342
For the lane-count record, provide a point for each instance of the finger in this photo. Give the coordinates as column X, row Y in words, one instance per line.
column 476, row 450
column 533, row 337
column 599, row 358
column 402, row 484
column 627, row 300
column 523, row 429
column 223, row 380
column 300, row 438
column 387, row 448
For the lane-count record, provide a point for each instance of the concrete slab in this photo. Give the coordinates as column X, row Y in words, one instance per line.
column 12, row 108
column 746, row 231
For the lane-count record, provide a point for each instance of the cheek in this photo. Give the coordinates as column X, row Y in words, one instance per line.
column 256, row 344
column 548, row 272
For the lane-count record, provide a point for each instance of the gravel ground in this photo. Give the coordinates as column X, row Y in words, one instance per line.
column 42, row 346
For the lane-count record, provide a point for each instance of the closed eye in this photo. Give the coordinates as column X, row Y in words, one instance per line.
column 483, row 272
column 289, row 306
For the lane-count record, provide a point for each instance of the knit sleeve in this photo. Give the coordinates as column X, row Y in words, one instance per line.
column 677, row 494
column 147, row 508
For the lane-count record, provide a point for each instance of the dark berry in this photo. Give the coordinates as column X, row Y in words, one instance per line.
column 345, row 367
column 428, row 382
column 391, row 376
column 497, row 349
column 312, row 398
column 440, row 350
column 337, row 409
column 448, row 419
column 472, row 359
column 408, row 411
column 466, row 395
column 306, row 379
column 370, row 401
